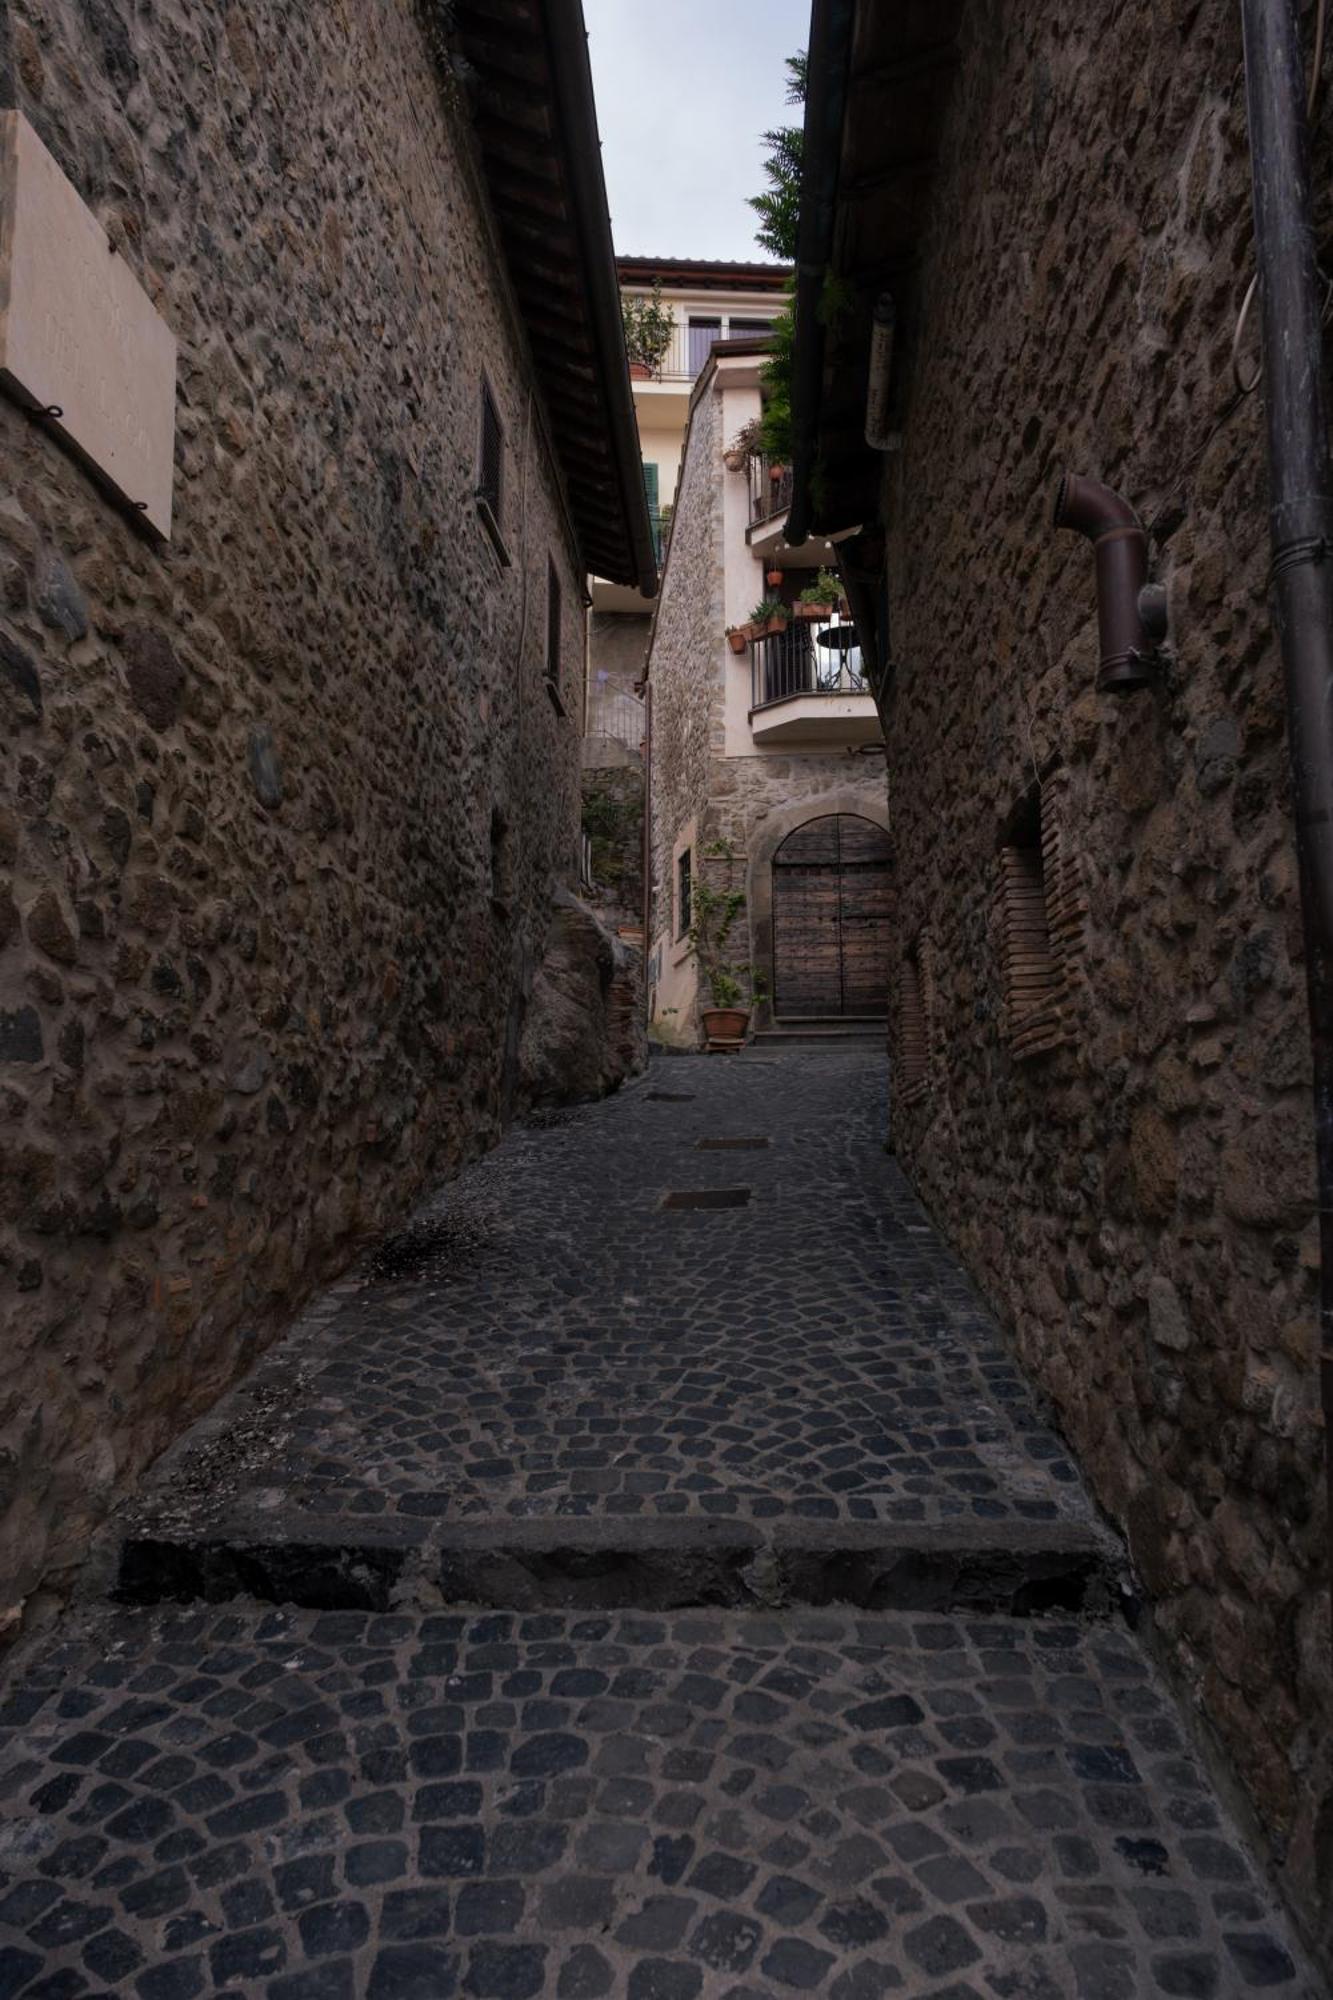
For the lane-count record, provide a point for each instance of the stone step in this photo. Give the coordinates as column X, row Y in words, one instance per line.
column 793, row 1029
column 1017, row 1568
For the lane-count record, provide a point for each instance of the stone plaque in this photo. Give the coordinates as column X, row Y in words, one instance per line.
column 78, row 333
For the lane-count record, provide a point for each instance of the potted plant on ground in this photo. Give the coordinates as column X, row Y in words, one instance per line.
column 648, row 330
column 713, row 915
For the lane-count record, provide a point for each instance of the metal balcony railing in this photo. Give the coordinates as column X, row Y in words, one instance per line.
column 614, row 712
column 684, row 357
column 770, row 489
column 805, row 658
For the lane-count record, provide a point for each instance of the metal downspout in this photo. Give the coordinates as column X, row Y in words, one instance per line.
column 1301, row 529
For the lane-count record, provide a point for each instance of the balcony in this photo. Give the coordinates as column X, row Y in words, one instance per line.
column 770, row 489
column 806, row 687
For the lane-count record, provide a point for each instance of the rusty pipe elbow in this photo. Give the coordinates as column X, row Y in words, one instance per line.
column 1127, row 644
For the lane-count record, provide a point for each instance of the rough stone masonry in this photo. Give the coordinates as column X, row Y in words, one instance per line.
column 282, row 803
column 1137, row 1202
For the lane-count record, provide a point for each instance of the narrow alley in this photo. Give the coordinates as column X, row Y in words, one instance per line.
column 673, row 1590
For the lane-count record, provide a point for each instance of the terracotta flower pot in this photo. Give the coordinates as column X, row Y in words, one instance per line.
column 724, row 1024
column 639, row 371
column 774, row 578
column 736, row 641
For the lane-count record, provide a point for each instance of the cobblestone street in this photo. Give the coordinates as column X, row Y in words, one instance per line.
column 663, row 1601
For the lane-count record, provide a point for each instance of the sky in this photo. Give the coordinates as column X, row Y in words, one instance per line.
column 684, row 90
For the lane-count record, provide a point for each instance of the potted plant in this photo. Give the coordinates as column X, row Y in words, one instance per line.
column 743, row 447
column 737, row 637
column 769, row 615
column 712, row 920
column 773, row 578
column 821, row 597
column 648, row 330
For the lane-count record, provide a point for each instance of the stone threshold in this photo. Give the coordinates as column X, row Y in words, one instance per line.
column 1017, row 1569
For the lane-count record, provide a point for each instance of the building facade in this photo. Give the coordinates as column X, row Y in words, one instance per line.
column 707, row 302
column 290, row 787
column 1100, row 1050
column 766, row 775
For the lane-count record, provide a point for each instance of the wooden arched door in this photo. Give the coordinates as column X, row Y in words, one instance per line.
column 831, row 919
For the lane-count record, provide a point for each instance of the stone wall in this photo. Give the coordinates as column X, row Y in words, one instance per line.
column 613, row 822
column 283, row 805
column 1137, row 1203
column 685, row 674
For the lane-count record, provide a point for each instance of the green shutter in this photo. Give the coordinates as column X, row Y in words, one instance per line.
column 650, row 495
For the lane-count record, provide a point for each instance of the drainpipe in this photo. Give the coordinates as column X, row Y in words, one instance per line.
column 1301, row 530
column 1131, row 613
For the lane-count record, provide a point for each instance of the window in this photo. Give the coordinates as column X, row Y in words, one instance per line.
column 748, row 329
column 650, row 494
column 684, row 893
column 703, row 335
column 553, row 636
column 490, row 471
column 1031, row 960
column 502, row 887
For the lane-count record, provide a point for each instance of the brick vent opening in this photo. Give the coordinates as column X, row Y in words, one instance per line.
column 707, row 1198
column 1040, row 927
column 913, row 1027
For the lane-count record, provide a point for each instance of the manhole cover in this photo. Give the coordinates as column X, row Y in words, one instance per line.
column 670, row 1096
column 707, row 1198
column 731, row 1145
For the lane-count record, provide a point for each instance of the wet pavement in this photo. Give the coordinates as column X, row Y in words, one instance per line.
column 685, row 1601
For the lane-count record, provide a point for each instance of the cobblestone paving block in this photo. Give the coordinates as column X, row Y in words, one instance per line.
column 303, row 1806
column 546, row 1343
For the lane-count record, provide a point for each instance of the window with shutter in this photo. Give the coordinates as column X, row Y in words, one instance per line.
column 553, row 636
column 651, row 495
column 490, row 472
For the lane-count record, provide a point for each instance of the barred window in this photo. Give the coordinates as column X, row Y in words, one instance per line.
column 490, row 456
column 553, row 635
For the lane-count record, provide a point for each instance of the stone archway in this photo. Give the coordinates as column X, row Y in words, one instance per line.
column 768, row 836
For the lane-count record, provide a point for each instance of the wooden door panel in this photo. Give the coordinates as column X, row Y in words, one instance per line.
column 831, row 912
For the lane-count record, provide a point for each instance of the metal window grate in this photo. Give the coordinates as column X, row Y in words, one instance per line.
column 707, row 1198
column 490, row 457
column 552, row 625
